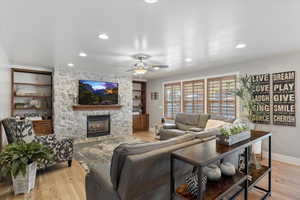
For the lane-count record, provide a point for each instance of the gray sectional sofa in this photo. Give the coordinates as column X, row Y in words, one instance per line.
column 184, row 123
column 140, row 171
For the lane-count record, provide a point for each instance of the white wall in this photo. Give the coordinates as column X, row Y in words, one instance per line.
column 5, row 86
column 285, row 139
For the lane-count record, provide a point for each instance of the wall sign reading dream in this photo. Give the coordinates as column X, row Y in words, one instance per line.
column 284, row 107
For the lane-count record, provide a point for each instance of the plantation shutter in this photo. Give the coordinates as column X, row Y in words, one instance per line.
column 172, row 100
column 193, row 96
column 221, row 100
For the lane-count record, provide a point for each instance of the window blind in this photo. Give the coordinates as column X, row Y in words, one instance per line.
column 172, row 100
column 193, row 96
column 221, row 100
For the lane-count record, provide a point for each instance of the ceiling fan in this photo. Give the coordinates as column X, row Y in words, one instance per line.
column 141, row 67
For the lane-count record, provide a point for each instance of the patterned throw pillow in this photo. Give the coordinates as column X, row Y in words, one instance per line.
column 192, row 184
column 24, row 130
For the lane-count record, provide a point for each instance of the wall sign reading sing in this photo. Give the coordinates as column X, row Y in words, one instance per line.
column 262, row 98
column 284, row 108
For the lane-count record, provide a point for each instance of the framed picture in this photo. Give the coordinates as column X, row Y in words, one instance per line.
column 154, row 95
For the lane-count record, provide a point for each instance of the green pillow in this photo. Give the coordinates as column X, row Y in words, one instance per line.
column 203, row 120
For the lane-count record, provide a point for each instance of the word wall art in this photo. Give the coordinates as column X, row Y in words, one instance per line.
column 284, row 100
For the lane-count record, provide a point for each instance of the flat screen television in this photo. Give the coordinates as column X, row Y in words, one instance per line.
column 98, row 93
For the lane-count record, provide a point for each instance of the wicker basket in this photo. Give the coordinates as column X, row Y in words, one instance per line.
column 24, row 184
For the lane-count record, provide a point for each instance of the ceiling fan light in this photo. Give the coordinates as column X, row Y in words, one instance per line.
column 140, row 71
column 156, row 68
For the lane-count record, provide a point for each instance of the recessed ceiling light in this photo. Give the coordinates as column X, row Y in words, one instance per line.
column 151, row 1
column 188, row 60
column 241, row 46
column 82, row 54
column 70, row 64
column 103, row 36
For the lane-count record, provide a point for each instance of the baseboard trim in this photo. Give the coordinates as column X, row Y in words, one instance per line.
column 283, row 158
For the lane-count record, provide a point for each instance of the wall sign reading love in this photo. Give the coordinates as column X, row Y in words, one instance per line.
column 284, row 107
column 280, row 103
column 262, row 97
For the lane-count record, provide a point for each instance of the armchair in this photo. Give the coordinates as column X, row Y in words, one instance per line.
column 21, row 130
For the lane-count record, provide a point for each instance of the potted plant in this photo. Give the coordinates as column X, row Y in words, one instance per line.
column 245, row 92
column 19, row 160
column 233, row 134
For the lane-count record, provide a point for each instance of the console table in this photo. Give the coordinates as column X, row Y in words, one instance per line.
column 203, row 154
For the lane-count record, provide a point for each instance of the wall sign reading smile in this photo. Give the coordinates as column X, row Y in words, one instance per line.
column 284, row 108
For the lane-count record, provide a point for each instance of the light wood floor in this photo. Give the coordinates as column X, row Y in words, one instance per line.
column 63, row 183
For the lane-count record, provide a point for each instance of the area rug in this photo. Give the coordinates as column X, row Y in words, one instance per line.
column 99, row 149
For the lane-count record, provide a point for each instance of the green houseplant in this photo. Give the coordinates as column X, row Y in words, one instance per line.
column 233, row 134
column 19, row 160
column 245, row 92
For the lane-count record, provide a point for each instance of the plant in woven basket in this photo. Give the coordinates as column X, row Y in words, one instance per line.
column 19, row 160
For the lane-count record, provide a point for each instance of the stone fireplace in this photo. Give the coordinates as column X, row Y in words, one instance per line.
column 73, row 123
column 98, row 125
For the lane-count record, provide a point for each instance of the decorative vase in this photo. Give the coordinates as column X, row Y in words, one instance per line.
column 24, row 184
column 227, row 169
column 212, row 172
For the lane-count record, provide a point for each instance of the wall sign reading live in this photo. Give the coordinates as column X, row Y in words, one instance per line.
column 262, row 97
column 284, row 107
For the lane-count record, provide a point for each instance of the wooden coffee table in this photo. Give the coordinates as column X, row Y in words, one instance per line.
column 203, row 154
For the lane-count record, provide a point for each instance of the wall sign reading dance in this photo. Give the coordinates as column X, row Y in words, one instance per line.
column 262, row 97
column 284, row 108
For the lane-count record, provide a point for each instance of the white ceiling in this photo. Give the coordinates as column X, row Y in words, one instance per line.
column 53, row 32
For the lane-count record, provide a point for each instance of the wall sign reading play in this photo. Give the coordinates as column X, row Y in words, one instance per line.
column 262, row 97
column 284, row 108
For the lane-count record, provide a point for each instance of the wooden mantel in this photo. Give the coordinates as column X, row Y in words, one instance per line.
column 96, row 107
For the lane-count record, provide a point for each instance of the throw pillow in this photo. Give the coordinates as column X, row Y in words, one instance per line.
column 203, row 120
column 25, row 131
column 192, row 184
column 211, row 123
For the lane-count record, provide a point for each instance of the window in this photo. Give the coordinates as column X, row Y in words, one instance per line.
column 221, row 100
column 193, row 96
column 172, row 100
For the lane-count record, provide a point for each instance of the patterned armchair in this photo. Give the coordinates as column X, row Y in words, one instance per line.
column 21, row 130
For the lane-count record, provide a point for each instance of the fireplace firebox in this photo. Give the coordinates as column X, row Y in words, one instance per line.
column 98, row 125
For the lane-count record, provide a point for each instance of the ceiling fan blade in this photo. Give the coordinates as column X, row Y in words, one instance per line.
column 130, row 70
column 160, row 66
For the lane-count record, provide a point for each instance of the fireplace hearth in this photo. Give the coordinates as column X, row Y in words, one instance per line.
column 98, row 125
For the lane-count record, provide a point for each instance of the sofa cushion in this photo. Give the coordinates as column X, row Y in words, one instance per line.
column 203, row 118
column 169, row 126
column 170, row 133
column 195, row 129
column 122, row 151
column 151, row 170
column 187, row 118
column 184, row 127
